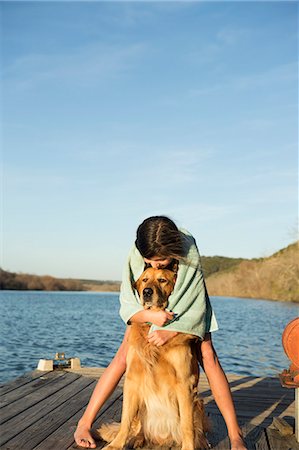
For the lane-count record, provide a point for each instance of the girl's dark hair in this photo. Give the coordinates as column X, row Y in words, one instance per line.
column 159, row 236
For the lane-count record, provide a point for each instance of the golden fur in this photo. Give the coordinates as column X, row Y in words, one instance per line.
column 161, row 405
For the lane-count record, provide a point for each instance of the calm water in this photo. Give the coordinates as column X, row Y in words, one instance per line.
column 35, row 325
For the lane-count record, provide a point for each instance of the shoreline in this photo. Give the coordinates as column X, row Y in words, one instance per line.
column 117, row 291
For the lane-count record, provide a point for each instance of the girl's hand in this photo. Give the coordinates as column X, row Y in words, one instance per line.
column 160, row 337
column 160, row 318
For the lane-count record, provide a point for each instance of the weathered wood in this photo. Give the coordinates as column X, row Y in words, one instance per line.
column 20, row 422
column 218, row 435
column 262, row 442
column 92, row 372
column 24, row 390
column 63, row 438
column 110, row 414
column 252, row 434
column 35, row 396
column 278, row 442
column 34, row 434
column 282, row 426
column 20, row 381
column 42, row 410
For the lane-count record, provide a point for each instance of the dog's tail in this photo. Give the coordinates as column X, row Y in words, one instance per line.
column 108, row 431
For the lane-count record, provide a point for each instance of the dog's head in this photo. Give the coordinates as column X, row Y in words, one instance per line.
column 154, row 286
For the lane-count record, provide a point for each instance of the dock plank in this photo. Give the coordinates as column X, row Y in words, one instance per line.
column 111, row 414
column 28, row 388
column 20, row 381
column 262, row 442
column 34, row 434
column 218, row 435
column 20, row 422
column 46, row 416
column 36, row 396
column 62, row 437
column 252, row 434
column 278, row 442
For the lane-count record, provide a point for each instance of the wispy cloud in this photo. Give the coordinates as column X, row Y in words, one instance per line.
column 232, row 36
column 183, row 165
column 178, row 165
column 16, row 178
column 200, row 212
column 282, row 74
column 211, row 51
column 84, row 65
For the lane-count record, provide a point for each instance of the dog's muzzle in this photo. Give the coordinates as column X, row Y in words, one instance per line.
column 147, row 296
column 147, row 293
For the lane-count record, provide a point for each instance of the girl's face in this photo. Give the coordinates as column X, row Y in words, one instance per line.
column 158, row 263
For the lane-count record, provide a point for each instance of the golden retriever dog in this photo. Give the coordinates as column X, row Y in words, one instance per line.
column 161, row 406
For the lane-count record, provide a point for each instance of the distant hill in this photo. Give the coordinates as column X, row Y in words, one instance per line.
column 275, row 277
column 215, row 264
column 100, row 285
column 24, row 281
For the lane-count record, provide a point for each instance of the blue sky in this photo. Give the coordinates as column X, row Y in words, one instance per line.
column 116, row 111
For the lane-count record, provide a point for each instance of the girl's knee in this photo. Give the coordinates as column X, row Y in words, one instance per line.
column 121, row 355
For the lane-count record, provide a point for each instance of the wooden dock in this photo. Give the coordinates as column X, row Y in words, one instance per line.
column 40, row 410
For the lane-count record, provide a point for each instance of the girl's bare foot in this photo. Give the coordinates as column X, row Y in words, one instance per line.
column 238, row 443
column 83, row 437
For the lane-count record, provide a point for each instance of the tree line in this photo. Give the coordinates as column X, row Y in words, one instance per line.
column 21, row 281
column 274, row 277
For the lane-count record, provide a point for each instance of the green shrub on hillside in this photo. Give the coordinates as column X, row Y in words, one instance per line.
column 214, row 264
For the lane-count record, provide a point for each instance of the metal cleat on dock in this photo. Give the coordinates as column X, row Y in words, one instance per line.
column 59, row 362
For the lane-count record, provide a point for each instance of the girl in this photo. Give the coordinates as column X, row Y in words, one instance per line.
column 160, row 244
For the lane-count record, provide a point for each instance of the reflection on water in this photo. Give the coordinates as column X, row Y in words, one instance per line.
column 87, row 325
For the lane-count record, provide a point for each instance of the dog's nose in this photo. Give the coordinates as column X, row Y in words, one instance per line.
column 147, row 292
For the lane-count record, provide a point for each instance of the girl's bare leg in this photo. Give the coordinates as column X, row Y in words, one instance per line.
column 104, row 388
column 221, row 391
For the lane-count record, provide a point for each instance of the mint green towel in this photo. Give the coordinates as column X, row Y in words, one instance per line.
column 189, row 299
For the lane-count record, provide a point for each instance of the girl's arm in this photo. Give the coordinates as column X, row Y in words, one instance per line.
column 160, row 337
column 158, row 318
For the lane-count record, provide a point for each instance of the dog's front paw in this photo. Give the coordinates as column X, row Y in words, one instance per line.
column 136, row 442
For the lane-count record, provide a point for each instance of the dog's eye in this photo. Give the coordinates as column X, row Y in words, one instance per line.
column 162, row 280
column 144, row 280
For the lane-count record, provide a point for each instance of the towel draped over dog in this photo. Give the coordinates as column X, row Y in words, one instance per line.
column 189, row 299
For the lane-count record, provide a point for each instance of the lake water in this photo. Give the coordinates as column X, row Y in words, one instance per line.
column 36, row 325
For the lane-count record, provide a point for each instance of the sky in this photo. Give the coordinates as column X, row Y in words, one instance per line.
column 116, row 111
